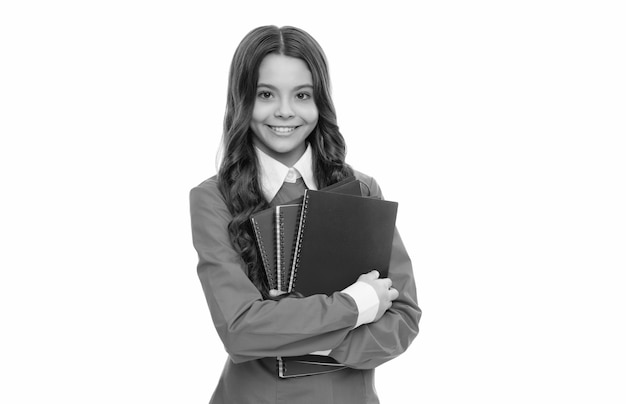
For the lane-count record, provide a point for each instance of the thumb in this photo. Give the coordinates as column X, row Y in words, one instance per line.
column 372, row 275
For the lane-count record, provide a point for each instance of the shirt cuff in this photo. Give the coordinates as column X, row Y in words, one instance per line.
column 366, row 301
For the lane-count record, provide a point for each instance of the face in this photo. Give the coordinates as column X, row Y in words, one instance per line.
column 284, row 111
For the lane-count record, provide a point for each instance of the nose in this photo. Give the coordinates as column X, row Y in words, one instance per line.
column 284, row 110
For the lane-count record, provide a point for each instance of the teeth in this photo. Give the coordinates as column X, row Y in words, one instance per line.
column 283, row 129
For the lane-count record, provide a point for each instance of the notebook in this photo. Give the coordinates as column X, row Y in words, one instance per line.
column 306, row 365
column 339, row 238
column 286, row 220
column 264, row 227
column 264, row 233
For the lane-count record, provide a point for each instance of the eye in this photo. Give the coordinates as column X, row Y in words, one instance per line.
column 264, row 95
column 303, row 96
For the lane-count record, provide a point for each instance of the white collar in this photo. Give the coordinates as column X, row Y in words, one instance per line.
column 273, row 173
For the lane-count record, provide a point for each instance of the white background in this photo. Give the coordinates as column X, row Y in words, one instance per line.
column 498, row 125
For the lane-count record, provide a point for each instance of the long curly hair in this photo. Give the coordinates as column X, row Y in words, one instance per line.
column 238, row 171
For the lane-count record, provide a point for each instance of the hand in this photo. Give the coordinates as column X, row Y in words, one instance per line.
column 386, row 294
column 276, row 292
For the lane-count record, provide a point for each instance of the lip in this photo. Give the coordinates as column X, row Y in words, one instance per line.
column 282, row 130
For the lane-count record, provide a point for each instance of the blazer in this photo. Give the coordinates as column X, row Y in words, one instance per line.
column 255, row 331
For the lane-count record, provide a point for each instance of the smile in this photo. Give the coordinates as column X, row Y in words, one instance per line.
column 283, row 129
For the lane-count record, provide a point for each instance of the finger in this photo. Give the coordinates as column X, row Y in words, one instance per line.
column 388, row 282
column 393, row 294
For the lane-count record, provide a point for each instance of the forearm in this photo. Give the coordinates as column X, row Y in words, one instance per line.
column 252, row 328
column 373, row 344
column 249, row 326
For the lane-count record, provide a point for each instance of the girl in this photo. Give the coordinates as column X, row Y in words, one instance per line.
column 280, row 137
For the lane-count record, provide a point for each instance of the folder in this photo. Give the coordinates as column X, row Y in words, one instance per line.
column 278, row 231
column 341, row 237
column 265, row 232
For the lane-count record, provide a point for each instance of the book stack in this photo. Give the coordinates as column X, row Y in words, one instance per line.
column 320, row 244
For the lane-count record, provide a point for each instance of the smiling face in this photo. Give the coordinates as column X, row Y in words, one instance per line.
column 284, row 111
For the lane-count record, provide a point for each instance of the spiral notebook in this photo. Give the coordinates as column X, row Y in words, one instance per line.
column 286, row 223
column 306, row 365
column 264, row 225
column 339, row 238
column 264, row 233
column 329, row 225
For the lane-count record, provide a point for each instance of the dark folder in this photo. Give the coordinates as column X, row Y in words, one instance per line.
column 282, row 226
column 265, row 232
column 341, row 237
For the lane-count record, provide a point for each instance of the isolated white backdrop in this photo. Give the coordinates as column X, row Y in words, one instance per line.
column 498, row 126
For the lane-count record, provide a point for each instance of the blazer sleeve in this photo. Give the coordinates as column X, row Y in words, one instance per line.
column 373, row 344
column 250, row 327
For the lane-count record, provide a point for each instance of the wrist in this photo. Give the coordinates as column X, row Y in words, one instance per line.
column 366, row 300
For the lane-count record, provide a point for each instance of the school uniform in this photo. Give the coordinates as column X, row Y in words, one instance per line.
column 255, row 331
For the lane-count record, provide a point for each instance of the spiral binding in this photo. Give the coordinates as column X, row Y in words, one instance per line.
column 296, row 261
column 257, row 232
column 281, row 251
column 293, row 246
column 279, row 246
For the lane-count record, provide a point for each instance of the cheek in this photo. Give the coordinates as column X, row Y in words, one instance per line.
column 310, row 114
column 259, row 112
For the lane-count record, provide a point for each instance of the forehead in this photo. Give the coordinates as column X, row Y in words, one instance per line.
column 284, row 71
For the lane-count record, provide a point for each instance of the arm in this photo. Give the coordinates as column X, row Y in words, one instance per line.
column 249, row 326
column 373, row 344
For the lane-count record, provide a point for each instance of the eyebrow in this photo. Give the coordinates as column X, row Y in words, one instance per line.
column 301, row 86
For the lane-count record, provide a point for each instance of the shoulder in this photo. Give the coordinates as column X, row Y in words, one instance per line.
column 207, row 195
column 207, row 187
column 210, row 184
column 369, row 186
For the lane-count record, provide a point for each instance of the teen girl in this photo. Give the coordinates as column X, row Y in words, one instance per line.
column 281, row 137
